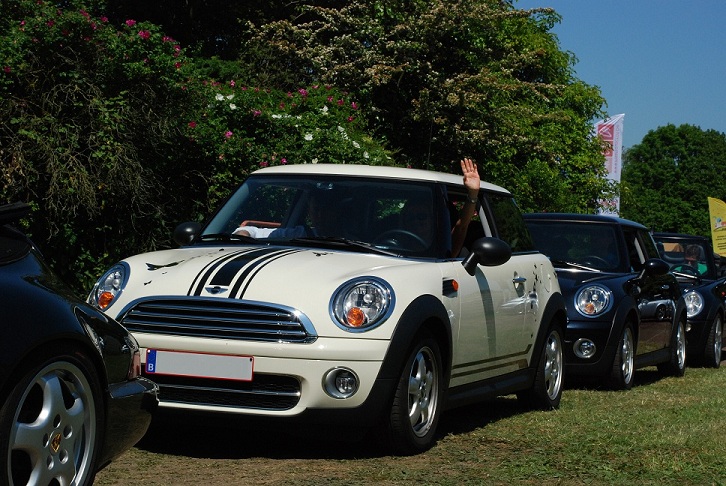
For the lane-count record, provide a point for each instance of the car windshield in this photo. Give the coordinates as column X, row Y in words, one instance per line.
column 593, row 246
column 687, row 256
column 395, row 216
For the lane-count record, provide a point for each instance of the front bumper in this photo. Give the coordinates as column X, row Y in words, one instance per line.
column 600, row 332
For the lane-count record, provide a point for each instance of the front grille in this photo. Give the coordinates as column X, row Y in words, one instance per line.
column 219, row 318
column 265, row 392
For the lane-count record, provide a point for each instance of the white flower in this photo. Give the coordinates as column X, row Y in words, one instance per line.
column 341, row 129
column 356, row 144
column 229, row 97
column 219, row 97
column 365, row 155
column 315, row 160
column 324, row 109
column 232, row 106
column 308, row 136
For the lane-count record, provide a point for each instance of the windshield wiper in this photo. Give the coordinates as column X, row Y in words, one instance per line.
column 575, row 265
column 336, row 241
column 227, row 237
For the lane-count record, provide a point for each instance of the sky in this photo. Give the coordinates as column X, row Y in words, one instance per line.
column 659, row 62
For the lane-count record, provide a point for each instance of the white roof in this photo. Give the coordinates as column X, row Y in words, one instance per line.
column 356, row 170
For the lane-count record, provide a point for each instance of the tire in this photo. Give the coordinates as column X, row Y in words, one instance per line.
column 52, row 421
column 712, row 353
column 623, row 369
column 546, row 392
column 676, row 365
column 416, row 406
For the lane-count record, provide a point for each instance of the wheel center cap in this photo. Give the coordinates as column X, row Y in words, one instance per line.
column 55, row 443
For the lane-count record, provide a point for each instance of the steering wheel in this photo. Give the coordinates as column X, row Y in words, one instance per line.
column 400, row 239
column 596, row 261
column 687, row 269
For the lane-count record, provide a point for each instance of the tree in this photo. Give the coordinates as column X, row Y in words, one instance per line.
column 451, row 78
column 667, row 178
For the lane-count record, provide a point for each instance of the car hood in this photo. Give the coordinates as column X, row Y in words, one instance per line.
column 300, row 278
column 572, row 280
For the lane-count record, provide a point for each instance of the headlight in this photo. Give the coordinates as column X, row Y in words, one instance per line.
column 694, row 303
column 361, row 304
column 593, row 300
column 109, row 287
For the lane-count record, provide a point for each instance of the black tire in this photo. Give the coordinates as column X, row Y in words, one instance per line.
column 546, row 392
column 416, row 406
column 676, row 365
column 623, row 369
column 712, row 354
column 59, row 393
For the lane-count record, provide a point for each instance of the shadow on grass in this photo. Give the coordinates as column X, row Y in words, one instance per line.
column 217, row 436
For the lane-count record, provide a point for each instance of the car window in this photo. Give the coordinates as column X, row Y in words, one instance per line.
column 509, row 223
column 404, row 217
column 636, row 253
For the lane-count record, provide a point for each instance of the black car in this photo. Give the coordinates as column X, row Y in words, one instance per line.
column 692, row 261
column 625, row 310
column 71, row 394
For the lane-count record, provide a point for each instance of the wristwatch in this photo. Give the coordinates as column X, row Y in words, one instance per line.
column 471, row 199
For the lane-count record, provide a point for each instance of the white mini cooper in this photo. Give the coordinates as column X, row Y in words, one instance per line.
column 328, row 293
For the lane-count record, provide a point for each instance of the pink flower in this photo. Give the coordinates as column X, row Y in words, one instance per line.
column 166, row 38
column 303, row 92
column 264, row 163
column 130, row 23
column 22, row 23
column 354, row 105
column 144, row 34
column 350, row 118
column 228, row 134
column 231, row 83
column 192, row 124
column 340, row 102
column 282, row 106
column 50, row 23
column 104, row 19
column 177, row 65
column 256, row 113
column 283, row 161
column 84, row 13
column 7, row 69
column 330, row 99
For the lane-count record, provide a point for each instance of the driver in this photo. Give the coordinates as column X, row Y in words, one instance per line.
column 691, row 258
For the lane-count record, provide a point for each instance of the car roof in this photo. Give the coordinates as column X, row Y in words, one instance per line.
column 584, row 218
column 680, row 236
column 386, row 172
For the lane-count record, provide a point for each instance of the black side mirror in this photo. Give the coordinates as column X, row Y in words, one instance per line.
column 487, row 251
column 655, row 267
column 185, row 233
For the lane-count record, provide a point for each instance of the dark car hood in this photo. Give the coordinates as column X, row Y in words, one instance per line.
column 576, row 278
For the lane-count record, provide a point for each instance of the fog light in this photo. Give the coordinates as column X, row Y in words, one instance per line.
column 340, row 383
column 584, row 348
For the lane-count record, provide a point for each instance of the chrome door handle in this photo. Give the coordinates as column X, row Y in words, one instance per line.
column 519, row 280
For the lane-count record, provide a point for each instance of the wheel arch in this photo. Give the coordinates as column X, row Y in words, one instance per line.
column 554, row 313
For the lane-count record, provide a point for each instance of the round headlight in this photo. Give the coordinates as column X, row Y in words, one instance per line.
column 593, row 300
column 109, row 287
column 361, row 304
column 694, row 303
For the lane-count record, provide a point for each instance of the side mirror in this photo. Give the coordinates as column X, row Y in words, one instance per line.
column 655, row 267
column 185, row 233
column 487, row 251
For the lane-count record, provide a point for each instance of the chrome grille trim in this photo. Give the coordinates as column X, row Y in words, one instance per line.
column 221, row 318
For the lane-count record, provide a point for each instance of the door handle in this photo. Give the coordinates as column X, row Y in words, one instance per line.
column 519, row 280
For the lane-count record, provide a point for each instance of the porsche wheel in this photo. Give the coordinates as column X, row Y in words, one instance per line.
column 50, row 424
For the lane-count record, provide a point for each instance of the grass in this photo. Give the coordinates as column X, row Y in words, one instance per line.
column 665, row 431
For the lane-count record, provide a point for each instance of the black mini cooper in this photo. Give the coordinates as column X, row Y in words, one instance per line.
column 625, row 310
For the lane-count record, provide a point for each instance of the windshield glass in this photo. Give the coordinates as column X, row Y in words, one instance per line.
column 390, row 215
column 593, row 246
column 687, row 256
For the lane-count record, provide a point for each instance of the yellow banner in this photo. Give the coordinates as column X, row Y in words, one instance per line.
column 717, row 212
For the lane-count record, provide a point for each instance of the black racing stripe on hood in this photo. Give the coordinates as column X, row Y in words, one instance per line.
column 226, row 274
column 254, row 269
column 206, row 272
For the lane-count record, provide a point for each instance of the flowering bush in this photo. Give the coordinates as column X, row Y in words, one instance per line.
column 245, row 128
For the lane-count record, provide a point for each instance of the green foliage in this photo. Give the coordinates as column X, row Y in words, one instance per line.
column 451, row 78
column 668, row 177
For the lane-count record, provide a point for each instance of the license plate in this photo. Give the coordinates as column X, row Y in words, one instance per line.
column 200, row 365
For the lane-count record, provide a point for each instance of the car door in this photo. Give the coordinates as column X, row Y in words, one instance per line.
column 655, row 296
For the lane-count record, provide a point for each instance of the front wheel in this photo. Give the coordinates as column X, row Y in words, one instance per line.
column 714, row 344
column 623, row 369
column 50, row 424
column 415, row 410
column 546, row 392
column 676, row 365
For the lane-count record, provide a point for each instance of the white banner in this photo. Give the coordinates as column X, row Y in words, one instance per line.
column 611, row 132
